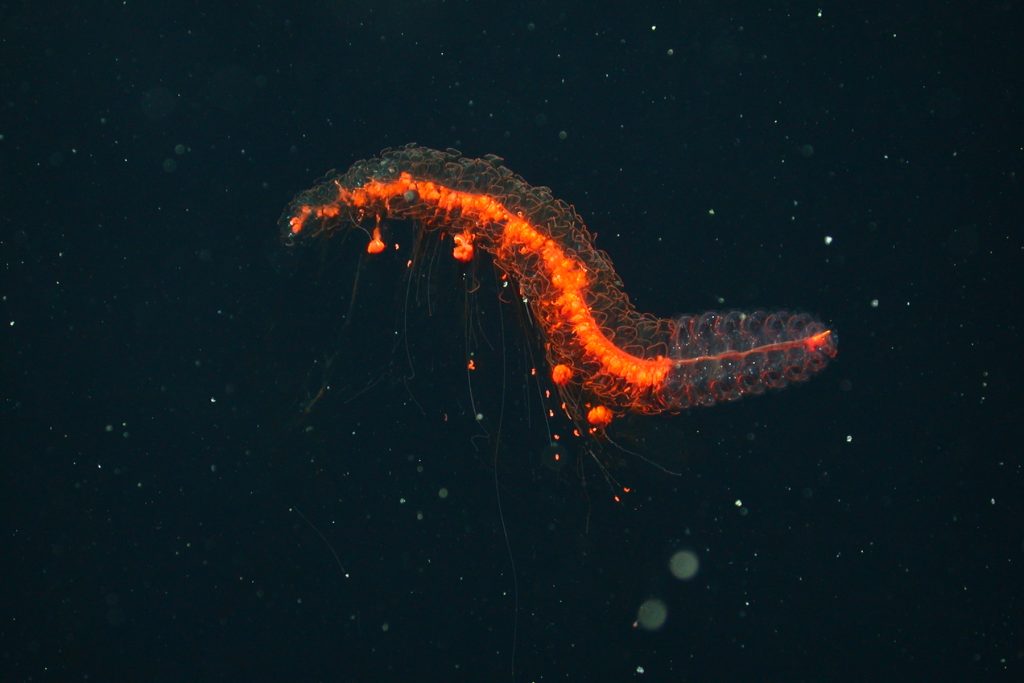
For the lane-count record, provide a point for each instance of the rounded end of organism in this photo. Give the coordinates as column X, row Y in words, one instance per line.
column 292, row 223
column 825, row 341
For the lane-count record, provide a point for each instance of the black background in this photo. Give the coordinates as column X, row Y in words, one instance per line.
column 171, row 513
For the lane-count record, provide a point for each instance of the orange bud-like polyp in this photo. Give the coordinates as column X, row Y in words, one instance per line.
column 376, row 244
column 561, row 374
column 463, row 250
column 599, row 416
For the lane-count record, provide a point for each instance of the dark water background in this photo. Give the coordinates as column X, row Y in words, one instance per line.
column 860, row 162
